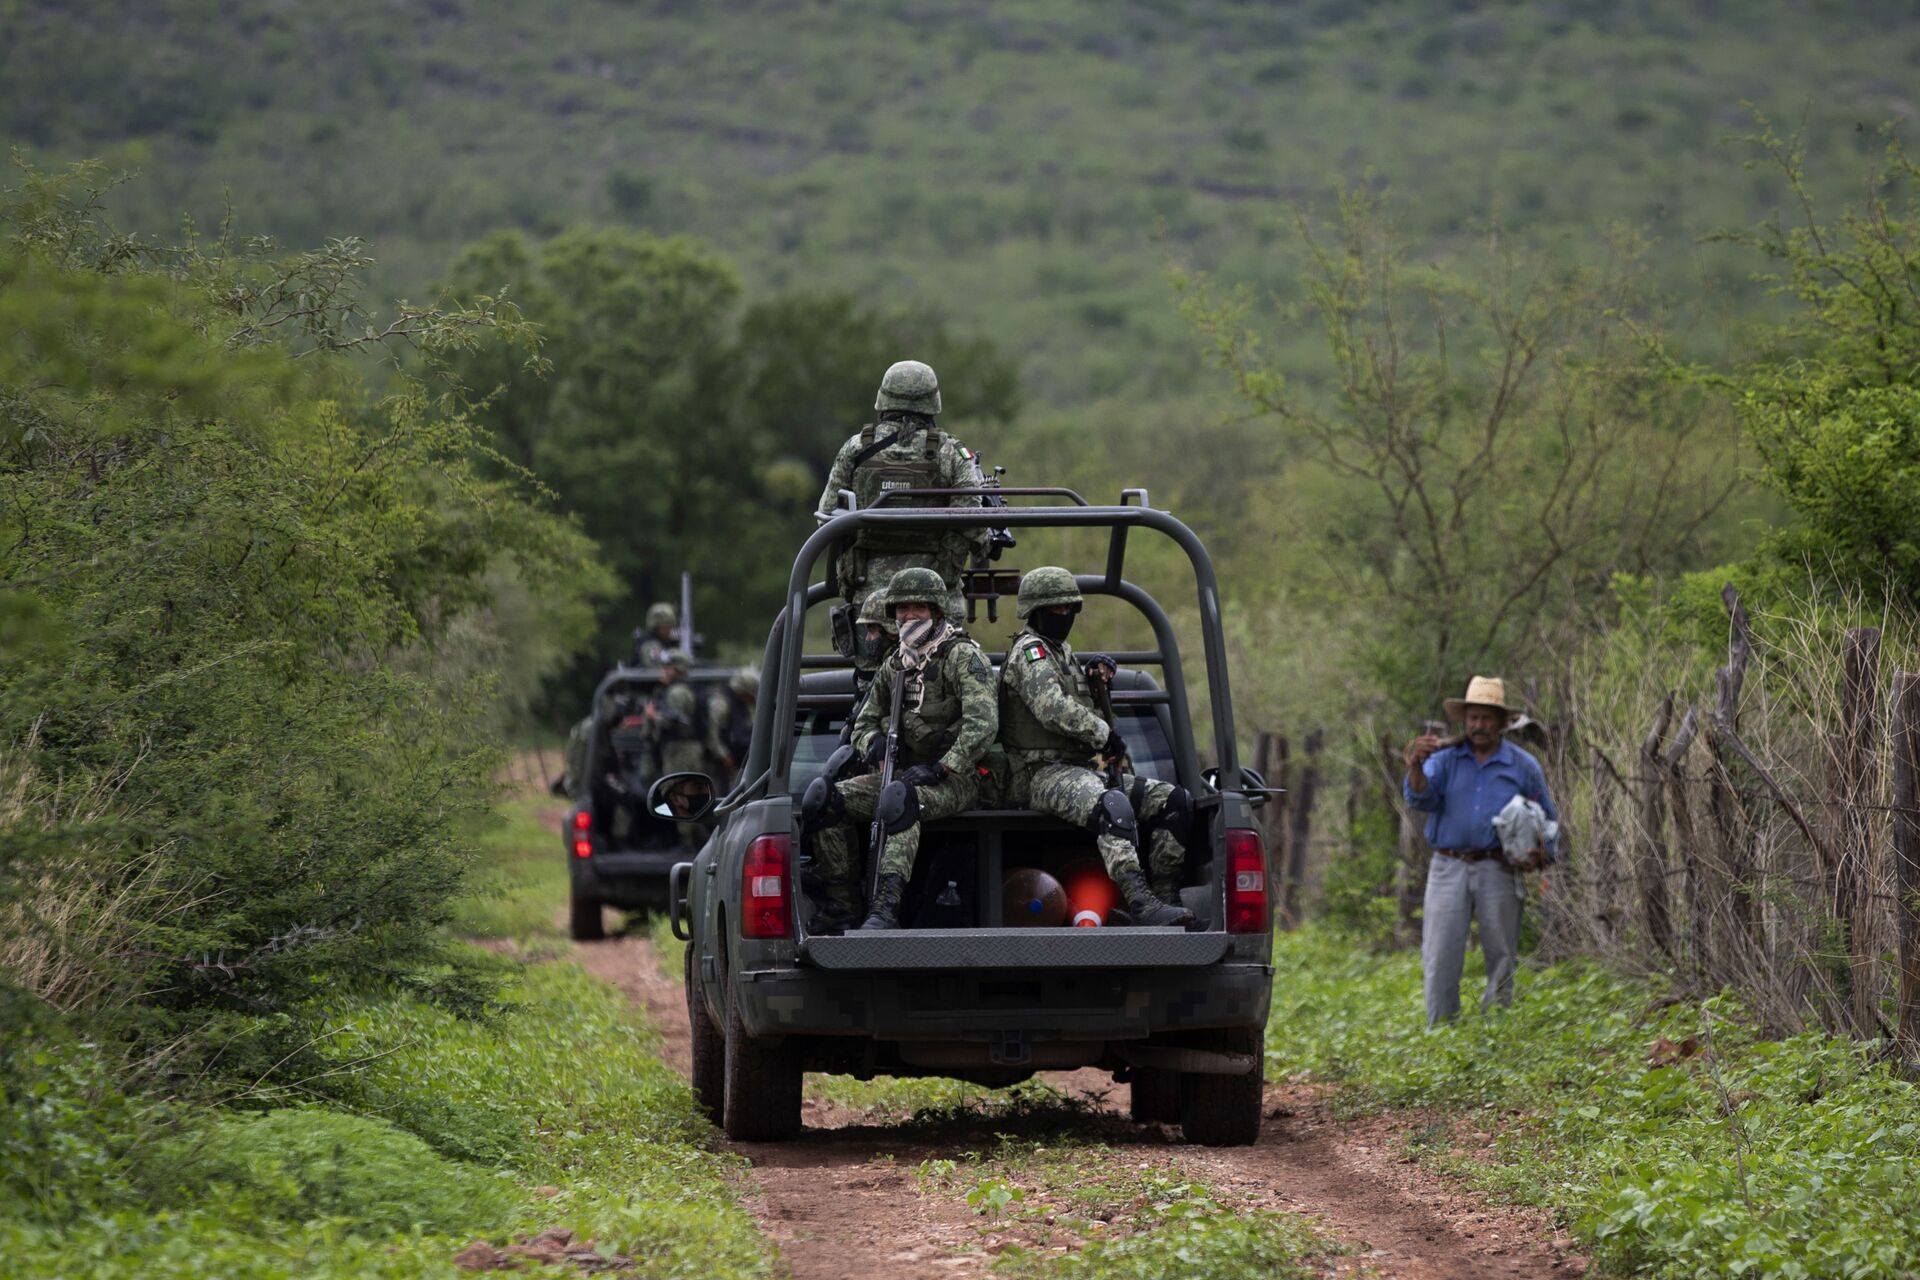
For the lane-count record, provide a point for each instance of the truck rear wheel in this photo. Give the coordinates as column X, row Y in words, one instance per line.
column 761, row 1083
column 1156, row 1097
column 1224, row 1111
column 585, row 919
column 709, row 1051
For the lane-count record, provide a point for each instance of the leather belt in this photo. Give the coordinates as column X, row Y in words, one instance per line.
column 1471, row 855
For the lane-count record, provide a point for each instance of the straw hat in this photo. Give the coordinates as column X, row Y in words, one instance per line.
column 1482, row 691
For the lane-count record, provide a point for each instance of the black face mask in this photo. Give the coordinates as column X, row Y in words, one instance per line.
column 1054, row 626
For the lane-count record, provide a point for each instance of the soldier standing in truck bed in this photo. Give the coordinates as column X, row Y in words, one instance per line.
column 904, row 450
column 1051, row 734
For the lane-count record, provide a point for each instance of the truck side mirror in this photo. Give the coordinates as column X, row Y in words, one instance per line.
column 1252, row 781
column 681, row 797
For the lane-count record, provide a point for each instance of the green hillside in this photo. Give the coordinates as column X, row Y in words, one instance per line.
column 1025, row 166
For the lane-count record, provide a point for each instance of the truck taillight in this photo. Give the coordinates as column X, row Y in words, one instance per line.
column 1246, row 881
column 766, row 911
column 583, row 848
column 583, row 820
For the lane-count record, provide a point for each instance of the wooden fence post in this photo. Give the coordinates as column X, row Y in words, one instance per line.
column 1694, row 882
column 1852, row 861
column 1410, row 864
column 1906, row 853
column 1650, row 849
column 1723, row 804
column 1301, row 827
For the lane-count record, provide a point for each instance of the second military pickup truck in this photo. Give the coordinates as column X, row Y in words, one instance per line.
column 959, row 990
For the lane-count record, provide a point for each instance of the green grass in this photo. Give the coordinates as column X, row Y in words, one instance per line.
column 521, row 883
column 1073, row 1207
column 1715, row 1153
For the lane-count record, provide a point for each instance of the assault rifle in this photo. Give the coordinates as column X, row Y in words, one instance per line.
column 998, row 540
column 896, row 805
column 1101, row 685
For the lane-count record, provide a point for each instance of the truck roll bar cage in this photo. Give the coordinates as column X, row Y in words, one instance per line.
column 768, row 763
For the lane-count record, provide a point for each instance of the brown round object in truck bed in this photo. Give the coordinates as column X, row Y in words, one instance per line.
column 1029, row 896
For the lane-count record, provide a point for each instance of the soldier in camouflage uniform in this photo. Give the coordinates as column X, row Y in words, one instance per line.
column 672, row 719
column 1051, row 732
column 904, row 450
column 947, row 720
column 875, row 636
column 652, row 644
column 730, row 724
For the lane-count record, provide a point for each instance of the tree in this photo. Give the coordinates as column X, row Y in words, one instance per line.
column 1494, row 446
column 688, row 435
column 233, row 752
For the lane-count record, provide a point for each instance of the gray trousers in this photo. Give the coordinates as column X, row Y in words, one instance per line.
column 1457, row 893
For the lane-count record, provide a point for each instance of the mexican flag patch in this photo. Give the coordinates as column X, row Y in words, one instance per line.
column 1036, row 651
column 966, row 453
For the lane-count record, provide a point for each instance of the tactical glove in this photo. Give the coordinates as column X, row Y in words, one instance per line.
column 1100, row 667
column 876, row 750
column 924, row 775
column 1115, row 746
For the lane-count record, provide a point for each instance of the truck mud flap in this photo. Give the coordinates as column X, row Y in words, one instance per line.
column 1016, row 949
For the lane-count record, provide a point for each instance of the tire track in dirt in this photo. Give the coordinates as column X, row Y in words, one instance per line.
column 842, row 1201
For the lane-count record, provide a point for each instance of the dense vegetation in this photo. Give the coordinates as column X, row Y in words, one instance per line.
column 1021, row 167
column 252, row 640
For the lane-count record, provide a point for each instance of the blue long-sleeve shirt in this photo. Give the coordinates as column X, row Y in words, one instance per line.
column 1464, row 795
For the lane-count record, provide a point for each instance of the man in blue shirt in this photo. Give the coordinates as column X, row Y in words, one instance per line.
column 1461, row 787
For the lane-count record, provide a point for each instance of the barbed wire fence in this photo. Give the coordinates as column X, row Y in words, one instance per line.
column 1764, row 838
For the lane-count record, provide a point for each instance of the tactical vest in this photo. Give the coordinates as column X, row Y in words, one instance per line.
column 1020, row 729
column 909, row 464
column 930, row 709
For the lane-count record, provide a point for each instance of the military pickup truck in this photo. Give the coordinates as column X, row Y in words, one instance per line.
column 619, row 852
column 958, row 990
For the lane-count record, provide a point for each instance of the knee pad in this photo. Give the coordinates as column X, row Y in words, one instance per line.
column 1175, row 818
column 1113, row 816
column 821, row 805
column 898, row 807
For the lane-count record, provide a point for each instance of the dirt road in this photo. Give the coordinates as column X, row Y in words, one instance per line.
column 843, row 1200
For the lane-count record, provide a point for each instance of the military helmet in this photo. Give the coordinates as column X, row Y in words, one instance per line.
column 873, row 610
column 916, row 586
column 661, row 614
column 909, row 385
column 1045, row 587
column 745, row 682
column 677, row 658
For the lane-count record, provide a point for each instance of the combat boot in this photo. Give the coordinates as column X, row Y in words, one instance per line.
column 839, row 910
column 885, row 910
column 1143, row 906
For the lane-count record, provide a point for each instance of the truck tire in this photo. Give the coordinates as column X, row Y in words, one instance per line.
column 709, row 1051
column 1224, row 1111
column 1156, row 1097
column 760, row 1084
column 585, row 919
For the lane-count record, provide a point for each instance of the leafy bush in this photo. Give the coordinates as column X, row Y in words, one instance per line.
column 235, row 752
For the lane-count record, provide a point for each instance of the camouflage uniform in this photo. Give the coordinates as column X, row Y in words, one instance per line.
column 947, row 720
column 1050, row 732
column 920, row 456
column 650, row 647
column 948, row 716
column 730, row 723
column 673, row 723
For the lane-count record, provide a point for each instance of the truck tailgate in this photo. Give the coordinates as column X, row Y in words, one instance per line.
column 1131, row 948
